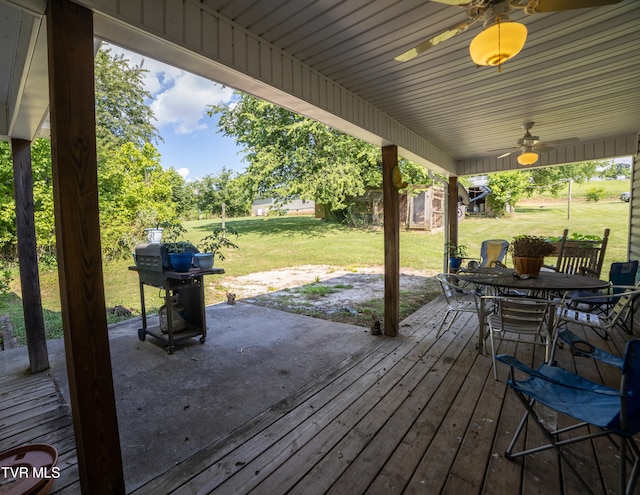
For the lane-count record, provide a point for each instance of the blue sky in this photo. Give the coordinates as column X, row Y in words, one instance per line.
column 192, row 144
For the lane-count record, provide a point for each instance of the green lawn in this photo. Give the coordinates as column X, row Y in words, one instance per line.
column 278, row 242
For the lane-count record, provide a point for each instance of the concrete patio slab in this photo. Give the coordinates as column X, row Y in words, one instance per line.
column 173, row 405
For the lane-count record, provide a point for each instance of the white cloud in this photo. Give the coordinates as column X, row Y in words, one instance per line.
column 184, row 105
column 184, row 172
column 180, row 99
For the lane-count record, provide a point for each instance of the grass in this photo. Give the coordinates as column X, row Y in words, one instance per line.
column 278, row 242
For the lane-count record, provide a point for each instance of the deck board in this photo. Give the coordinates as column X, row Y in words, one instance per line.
column 33, row 411
column 410, row 414
column 417, row 415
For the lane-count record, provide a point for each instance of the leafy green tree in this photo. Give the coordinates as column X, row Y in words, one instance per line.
column 290, row 155
column 42, row 196
column 134, row 193
column 43, row 200
column 554, row 179
column 611, row 169
column 227, row 187
column 122, row 114
column 181, row 193
column 7, row 205
column 507, row 188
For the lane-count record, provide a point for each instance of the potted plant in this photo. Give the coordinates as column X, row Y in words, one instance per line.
column 456, row 252
column 180, row 251
column 528, row 252
column 212, row 246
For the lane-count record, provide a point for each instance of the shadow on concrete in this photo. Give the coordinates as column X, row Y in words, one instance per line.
column 173, row 405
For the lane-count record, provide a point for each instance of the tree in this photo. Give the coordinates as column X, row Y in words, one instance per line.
column 227, row 187
column 554, row 179
column 290, row 155
column 7, row 205
column 134, row 193
column 121, row 112
column 507, row 188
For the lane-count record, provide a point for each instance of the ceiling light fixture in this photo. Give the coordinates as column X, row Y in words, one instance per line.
column 501, row 39
column 527, row 158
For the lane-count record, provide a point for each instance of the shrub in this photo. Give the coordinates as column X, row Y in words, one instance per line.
column 5, row 277
column 596, row 194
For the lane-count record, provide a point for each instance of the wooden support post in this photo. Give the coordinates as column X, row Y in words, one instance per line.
column 453, row 213
column 75, row 186
column 391, row 242
column 29, row 278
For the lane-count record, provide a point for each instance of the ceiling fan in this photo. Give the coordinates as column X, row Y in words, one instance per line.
column 501, row 38
column 530, row 146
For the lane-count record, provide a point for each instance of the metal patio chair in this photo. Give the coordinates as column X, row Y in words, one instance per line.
column 620, row 274
column 601, row 410
column 516, row 316
column 623, row 298
column 459, row 299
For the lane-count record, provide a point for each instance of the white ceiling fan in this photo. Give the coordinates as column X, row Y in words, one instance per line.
column 501, row 38
column 530, row 146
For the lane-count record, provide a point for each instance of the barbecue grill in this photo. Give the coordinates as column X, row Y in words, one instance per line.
column 154, row 269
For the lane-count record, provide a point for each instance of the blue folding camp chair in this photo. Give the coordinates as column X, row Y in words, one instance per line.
column 613, row 412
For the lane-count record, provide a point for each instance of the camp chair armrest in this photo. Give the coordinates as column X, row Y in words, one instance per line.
column 581, row 347
column 516, row 364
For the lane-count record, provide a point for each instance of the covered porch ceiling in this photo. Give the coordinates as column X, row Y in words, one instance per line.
column 577, row 76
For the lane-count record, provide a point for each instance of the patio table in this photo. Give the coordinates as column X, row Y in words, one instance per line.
column 545, row 284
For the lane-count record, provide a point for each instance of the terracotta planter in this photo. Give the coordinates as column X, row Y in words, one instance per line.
column 527, row 266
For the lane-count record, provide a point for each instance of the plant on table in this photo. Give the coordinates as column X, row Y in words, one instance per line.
column 456, row 252
column 217, row 241
column 528, row 252
column 180, row 251
column 530, row 246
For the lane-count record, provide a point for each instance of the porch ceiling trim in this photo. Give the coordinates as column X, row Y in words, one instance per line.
column 600, row 149
column 216, row 48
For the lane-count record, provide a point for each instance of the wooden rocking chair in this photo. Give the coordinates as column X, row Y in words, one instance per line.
column 581, row 257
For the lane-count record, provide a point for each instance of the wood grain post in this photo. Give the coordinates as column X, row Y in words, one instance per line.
column 75, row 186
column 453, row 212
column 391, row 242
column 27, row 255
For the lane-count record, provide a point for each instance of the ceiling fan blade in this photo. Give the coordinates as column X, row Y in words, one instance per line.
column 542, row 147
column 505, row 154
column 542, row 6
column 439, row 38
column 560, row 142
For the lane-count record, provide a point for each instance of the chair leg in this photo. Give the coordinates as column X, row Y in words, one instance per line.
column 493, row 355
column 523, row 422
column 551, row 437
column 635, row 470
column 444, row 318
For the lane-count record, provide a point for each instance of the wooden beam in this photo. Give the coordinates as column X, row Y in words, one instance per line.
column 75, row 186
column 391, row 242
column 29, row 278
column 453, row 211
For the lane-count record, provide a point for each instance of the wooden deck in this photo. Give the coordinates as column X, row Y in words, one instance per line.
column 32, row 410
column 409, row 414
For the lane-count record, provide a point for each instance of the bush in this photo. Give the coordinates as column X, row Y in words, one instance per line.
column 596, row 194
column 5, row 277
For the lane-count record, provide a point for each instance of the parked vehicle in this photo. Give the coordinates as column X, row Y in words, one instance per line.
column 625, row 196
